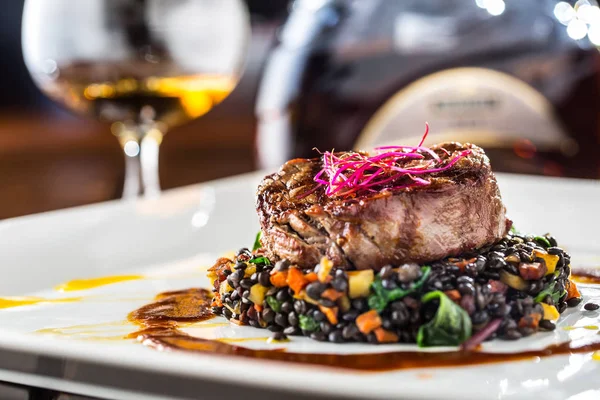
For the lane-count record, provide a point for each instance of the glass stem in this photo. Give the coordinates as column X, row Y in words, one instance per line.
column 150, row 146
column 141, row 150
column 132, row 187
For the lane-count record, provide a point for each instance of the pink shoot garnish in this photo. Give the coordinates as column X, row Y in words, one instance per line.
column 392, row 167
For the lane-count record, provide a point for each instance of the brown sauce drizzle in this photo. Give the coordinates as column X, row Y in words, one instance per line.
column 169, row 310
column 586, row 275
column 160, row 320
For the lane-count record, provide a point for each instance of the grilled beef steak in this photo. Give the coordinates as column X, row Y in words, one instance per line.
column 460, row 210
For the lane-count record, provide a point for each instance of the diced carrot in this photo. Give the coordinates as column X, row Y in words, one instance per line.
column 331, row 294
column 368, row 321
column 279, row 279
column 295, row 280
column 311, row 277
column 330, row 313
column 530, row 321
column 572, row 291
column 258, row 307
column 454, row 295
column 462, row 263
column 385, row 336
column 216, row 302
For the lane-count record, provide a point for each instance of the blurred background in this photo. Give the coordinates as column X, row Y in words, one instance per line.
column 520, row 78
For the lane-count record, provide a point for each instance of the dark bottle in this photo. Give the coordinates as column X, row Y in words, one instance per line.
column 520, row 78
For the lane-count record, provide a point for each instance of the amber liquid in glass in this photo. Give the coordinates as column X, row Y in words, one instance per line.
column 127, row 96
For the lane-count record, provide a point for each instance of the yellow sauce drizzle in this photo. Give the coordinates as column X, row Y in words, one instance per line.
column 98, row 332
column 588, row 327
column 596, row 355
column 9, row 302
column 83, row 284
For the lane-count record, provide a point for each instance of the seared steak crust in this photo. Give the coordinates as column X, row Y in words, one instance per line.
column 460, row 210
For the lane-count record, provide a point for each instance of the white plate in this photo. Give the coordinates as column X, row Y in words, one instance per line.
column 173, row 239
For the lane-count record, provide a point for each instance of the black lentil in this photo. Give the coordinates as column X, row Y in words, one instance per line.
column 547, row 325
column 468, row 275
column 315, row 289
column 318, row 336
column 292, row 318
column 591, row 306
column 279, row 336
column 336, row 337
column 349, row 331
column 268, row 315
column 282, row 295
column 281, row 319
column 246, row 283
column 340, row 284
column 291, row 331
column 240, row 265
column 300, row 306
column 573, row 302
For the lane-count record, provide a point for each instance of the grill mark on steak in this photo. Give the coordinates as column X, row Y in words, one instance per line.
column 460, row 210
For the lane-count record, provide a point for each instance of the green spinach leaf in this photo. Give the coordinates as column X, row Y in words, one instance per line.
column 274, row 303
column 260, row 260
column 549, row 291
column 450, row 326
column 307, row 323
column 257, row 244
column 381, row 296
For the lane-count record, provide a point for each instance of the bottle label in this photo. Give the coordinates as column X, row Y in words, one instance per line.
column 476, row 105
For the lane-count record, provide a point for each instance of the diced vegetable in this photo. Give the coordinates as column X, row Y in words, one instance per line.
column 453, row 295
column 330, row 313
column 306, row 323
column 551, row 260
column 257, row 244
column 550, row 312
column 382, row 296
column 512, row 258
column 212, row 276
column 279, row 278
column 296, row 280
column 311, row 277
column 250, row 269
column 385, row 336
column 303, row 296
column 530, row 321
column 274, row 303
column 324, row 269
column 359, row 283
column 532, row 271
column 257, row 293
column 368, row 321
column 225, row 288
column 514, row 281
column 497, row 286
column 450, row 326
column 344, row 303
column 572, row 291
column 331, row 294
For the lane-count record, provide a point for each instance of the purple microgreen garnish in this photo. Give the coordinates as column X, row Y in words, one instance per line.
column 392, row 168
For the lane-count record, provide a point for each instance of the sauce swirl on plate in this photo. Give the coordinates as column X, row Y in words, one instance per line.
column 160, row 320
